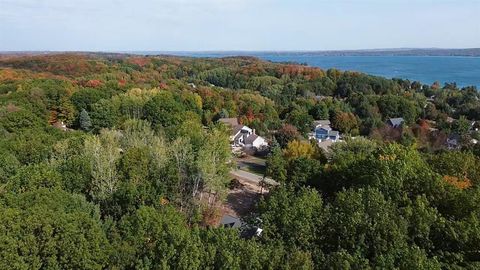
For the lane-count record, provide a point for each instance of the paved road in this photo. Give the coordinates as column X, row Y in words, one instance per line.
column 251, row 177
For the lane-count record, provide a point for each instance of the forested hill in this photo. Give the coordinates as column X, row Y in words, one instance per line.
column 111, row 161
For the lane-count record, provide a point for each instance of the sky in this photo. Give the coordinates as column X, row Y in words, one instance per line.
column 249, row 25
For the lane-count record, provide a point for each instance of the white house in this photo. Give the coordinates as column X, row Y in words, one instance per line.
column 60, row 125
column 243, row 136
column 255, row 141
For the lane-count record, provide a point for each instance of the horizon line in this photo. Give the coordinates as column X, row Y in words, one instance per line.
column 238, row 50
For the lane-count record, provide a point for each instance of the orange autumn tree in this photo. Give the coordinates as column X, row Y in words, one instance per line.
column 462, row 184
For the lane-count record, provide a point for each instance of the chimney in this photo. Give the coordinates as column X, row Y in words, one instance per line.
column 253, row 131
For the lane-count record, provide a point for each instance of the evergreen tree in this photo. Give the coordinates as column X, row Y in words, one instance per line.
column 85, row 121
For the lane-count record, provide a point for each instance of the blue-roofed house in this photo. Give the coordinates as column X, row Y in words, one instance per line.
column 323, row 131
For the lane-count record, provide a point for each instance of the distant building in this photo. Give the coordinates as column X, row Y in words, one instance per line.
column 319, row 98
column 243, row 136
column 323, row 131
column 450, row 120
column 255, row 141
column 395, row 122
column 249, row 233
column 229, row 121
column 474, row 126
column 453, row 141
column 60, row 125
column 246, row 231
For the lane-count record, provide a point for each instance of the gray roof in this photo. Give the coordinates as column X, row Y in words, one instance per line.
column 236, row 129
column 321, row 123
column 333, row 133
column 230, row 222
column 250, row 139
column 319, row 97
column 325, row 145
column 395, row 122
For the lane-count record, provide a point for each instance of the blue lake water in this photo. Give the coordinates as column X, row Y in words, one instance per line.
column 465, row 71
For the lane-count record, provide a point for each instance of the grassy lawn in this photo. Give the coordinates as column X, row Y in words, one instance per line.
column 252, row 164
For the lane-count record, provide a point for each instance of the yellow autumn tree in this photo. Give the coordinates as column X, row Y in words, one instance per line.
column 296, row 149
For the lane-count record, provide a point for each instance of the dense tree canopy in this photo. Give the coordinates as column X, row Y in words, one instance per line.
column 133, row 178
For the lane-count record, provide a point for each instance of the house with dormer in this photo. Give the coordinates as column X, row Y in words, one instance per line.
column 324, row 132
column 243, row 136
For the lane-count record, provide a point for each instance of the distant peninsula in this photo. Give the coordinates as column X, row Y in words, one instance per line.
column 470, row 52
column 474, row 52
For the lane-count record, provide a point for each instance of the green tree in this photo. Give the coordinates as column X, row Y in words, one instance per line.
column 303, row 171
column 151, row 238
column 51, row 230
column 320, row 111
column 276, row 165
column 104, row 114
column 396, row 106
column 363, row 223
column 346, row 123
column 463, row 165
column 461, row 126
column 301, row 120
column 296, row 217
column 213, row 161
column 8, row 166
column 35, row 176
column 103, row 151
column 164, row 110
column 69, row 161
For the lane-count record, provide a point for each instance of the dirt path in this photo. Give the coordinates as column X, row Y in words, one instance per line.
column 251, row 177
column 242, row 198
